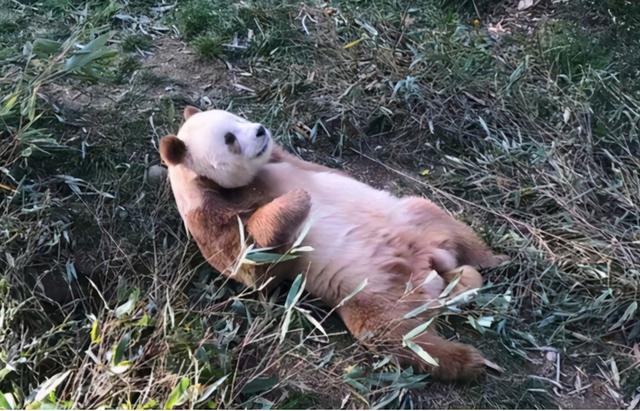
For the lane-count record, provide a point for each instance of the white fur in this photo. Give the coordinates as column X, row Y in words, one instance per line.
column 349, row 220
column 208, row 155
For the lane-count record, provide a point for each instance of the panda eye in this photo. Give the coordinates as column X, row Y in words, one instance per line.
column 229, row 138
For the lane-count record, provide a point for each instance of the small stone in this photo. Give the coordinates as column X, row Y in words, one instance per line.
column 156, row 174
column 551, row 356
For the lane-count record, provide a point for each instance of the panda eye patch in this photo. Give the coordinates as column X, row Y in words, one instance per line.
column 229, row 138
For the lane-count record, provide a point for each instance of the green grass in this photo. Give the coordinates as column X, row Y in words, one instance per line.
column 530, row 136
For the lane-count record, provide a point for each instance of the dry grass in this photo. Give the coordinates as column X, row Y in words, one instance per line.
column 524, row 124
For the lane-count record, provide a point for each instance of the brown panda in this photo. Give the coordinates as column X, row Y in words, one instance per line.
column 223, row 168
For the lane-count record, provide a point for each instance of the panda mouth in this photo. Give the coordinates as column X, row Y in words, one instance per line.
column 263, row 149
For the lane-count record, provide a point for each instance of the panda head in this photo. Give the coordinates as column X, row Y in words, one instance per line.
column 218, row 145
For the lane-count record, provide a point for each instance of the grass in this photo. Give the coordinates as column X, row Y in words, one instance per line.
column 523, row 124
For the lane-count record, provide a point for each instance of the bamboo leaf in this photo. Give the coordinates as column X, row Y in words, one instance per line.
column 359, row 288
column 295, row 291
column 424, row 356
column 294, row 294
column 179, row 394
column 7, row 402
column 303, row 233
column 313, row 321
column 95, row 332
column 47, row 387
column 119, row 349
column 128, row 307
column 265, row 257
column 210, row 390
column 92, row 51
column 45, row 47
column 9, row 102
column 628, row 313
column 353, row 43
column 417, row 331
column 450, row 286
column 258, row 385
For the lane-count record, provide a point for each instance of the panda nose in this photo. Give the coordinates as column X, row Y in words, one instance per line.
column 261, row 132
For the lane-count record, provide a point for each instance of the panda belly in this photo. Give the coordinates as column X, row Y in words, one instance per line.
column 357, row 233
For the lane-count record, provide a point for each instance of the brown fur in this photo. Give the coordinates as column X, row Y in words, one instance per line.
column 273, row 224
column 392, row 243
column 270, row 222
column 189, row 111
column 379, row 325
column 172, row 150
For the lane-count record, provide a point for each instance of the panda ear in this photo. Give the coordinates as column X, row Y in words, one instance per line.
column 189, row 111
column 172, row 150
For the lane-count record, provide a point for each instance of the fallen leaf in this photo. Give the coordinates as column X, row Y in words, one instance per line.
column 493, row 366
column 525, row 4
column 496, row 30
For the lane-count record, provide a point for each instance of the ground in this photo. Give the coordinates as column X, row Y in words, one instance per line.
column 519, row 117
